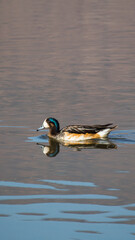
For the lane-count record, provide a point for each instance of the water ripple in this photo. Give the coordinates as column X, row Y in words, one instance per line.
column 71, row 183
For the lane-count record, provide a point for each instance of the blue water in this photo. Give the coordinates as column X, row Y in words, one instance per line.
column 67, row 209
column 64, row 220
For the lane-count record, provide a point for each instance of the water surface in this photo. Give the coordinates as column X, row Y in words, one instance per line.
column 73, row 61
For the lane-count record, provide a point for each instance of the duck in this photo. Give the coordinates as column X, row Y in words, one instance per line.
column 75, row 133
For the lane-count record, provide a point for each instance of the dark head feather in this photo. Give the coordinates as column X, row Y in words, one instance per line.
column 53, row 123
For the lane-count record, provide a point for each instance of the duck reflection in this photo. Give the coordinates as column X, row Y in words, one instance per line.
column 53, row 148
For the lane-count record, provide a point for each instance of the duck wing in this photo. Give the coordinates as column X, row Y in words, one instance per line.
column 86, row 128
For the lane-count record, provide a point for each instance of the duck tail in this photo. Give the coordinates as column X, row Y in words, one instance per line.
column 105, row 132
column 113, row 127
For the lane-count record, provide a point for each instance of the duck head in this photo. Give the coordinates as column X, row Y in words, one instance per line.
column 52, row 124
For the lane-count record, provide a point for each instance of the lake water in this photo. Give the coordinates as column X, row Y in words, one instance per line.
column 75, row 61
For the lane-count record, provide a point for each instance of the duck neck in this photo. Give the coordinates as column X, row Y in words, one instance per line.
column 54, row 131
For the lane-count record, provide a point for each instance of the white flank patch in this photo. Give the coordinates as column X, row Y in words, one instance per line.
column 104, row 132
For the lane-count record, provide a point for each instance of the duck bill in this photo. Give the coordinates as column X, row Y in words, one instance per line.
column 40, row 128
column 44, row 125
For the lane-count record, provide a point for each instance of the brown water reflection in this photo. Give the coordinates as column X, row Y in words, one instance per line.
column 53, row 148
column 74, row 61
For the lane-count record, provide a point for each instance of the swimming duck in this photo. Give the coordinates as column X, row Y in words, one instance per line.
column 75, row 133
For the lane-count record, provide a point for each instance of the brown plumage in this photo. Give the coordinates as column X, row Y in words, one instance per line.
column 74, row 133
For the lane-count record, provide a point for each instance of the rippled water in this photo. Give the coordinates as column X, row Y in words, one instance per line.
column 73, row 61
